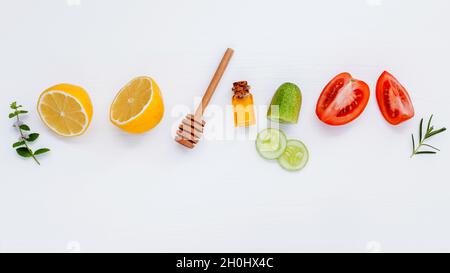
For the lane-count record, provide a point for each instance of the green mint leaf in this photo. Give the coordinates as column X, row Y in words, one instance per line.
column 21, row 146
column 18, row 144
column 24, row 152
column 41, row 151
column 413, row 143
column 15, row 106
column 24, row 127
column 425, row 152
column 33, row 137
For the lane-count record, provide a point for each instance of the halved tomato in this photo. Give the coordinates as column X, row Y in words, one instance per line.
column 393, row 100
column 342, row 100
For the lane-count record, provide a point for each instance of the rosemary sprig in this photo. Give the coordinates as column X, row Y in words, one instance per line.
column 21, row 146
column 423, row 137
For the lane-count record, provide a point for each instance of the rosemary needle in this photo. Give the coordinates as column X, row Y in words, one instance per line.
column 417, row 150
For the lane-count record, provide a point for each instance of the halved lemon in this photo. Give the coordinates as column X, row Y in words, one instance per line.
column 66, row 109
column 138, row 107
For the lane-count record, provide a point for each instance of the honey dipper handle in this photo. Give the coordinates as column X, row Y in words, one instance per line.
column 214, row 82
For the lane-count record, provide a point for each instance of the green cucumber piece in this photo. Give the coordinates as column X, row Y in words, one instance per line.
column 270, row 143
column 295, row 156
column 286, row 103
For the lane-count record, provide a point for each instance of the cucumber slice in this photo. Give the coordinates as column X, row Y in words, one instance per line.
column 295, row 156
column 270, row 143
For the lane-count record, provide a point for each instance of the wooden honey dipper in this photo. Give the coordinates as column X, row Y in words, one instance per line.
column 191, row 128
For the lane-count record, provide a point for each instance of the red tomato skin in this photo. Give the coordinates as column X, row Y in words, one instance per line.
column 405, row 115
column 335, row 121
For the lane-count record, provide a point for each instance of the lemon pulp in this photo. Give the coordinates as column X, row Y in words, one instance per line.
column 66, row 109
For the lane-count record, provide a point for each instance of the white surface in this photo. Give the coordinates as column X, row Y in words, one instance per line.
column 109, row 191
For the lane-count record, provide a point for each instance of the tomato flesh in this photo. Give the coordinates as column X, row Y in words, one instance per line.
column 393, row 100
column 342, row 100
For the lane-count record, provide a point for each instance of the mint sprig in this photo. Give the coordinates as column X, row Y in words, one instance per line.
column 22, row 146
column 423, row 137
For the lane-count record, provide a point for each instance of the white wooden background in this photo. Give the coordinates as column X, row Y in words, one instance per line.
column 109, row 191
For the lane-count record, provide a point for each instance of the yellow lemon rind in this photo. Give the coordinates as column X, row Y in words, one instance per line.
column 147, row 118
column 79, row 95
